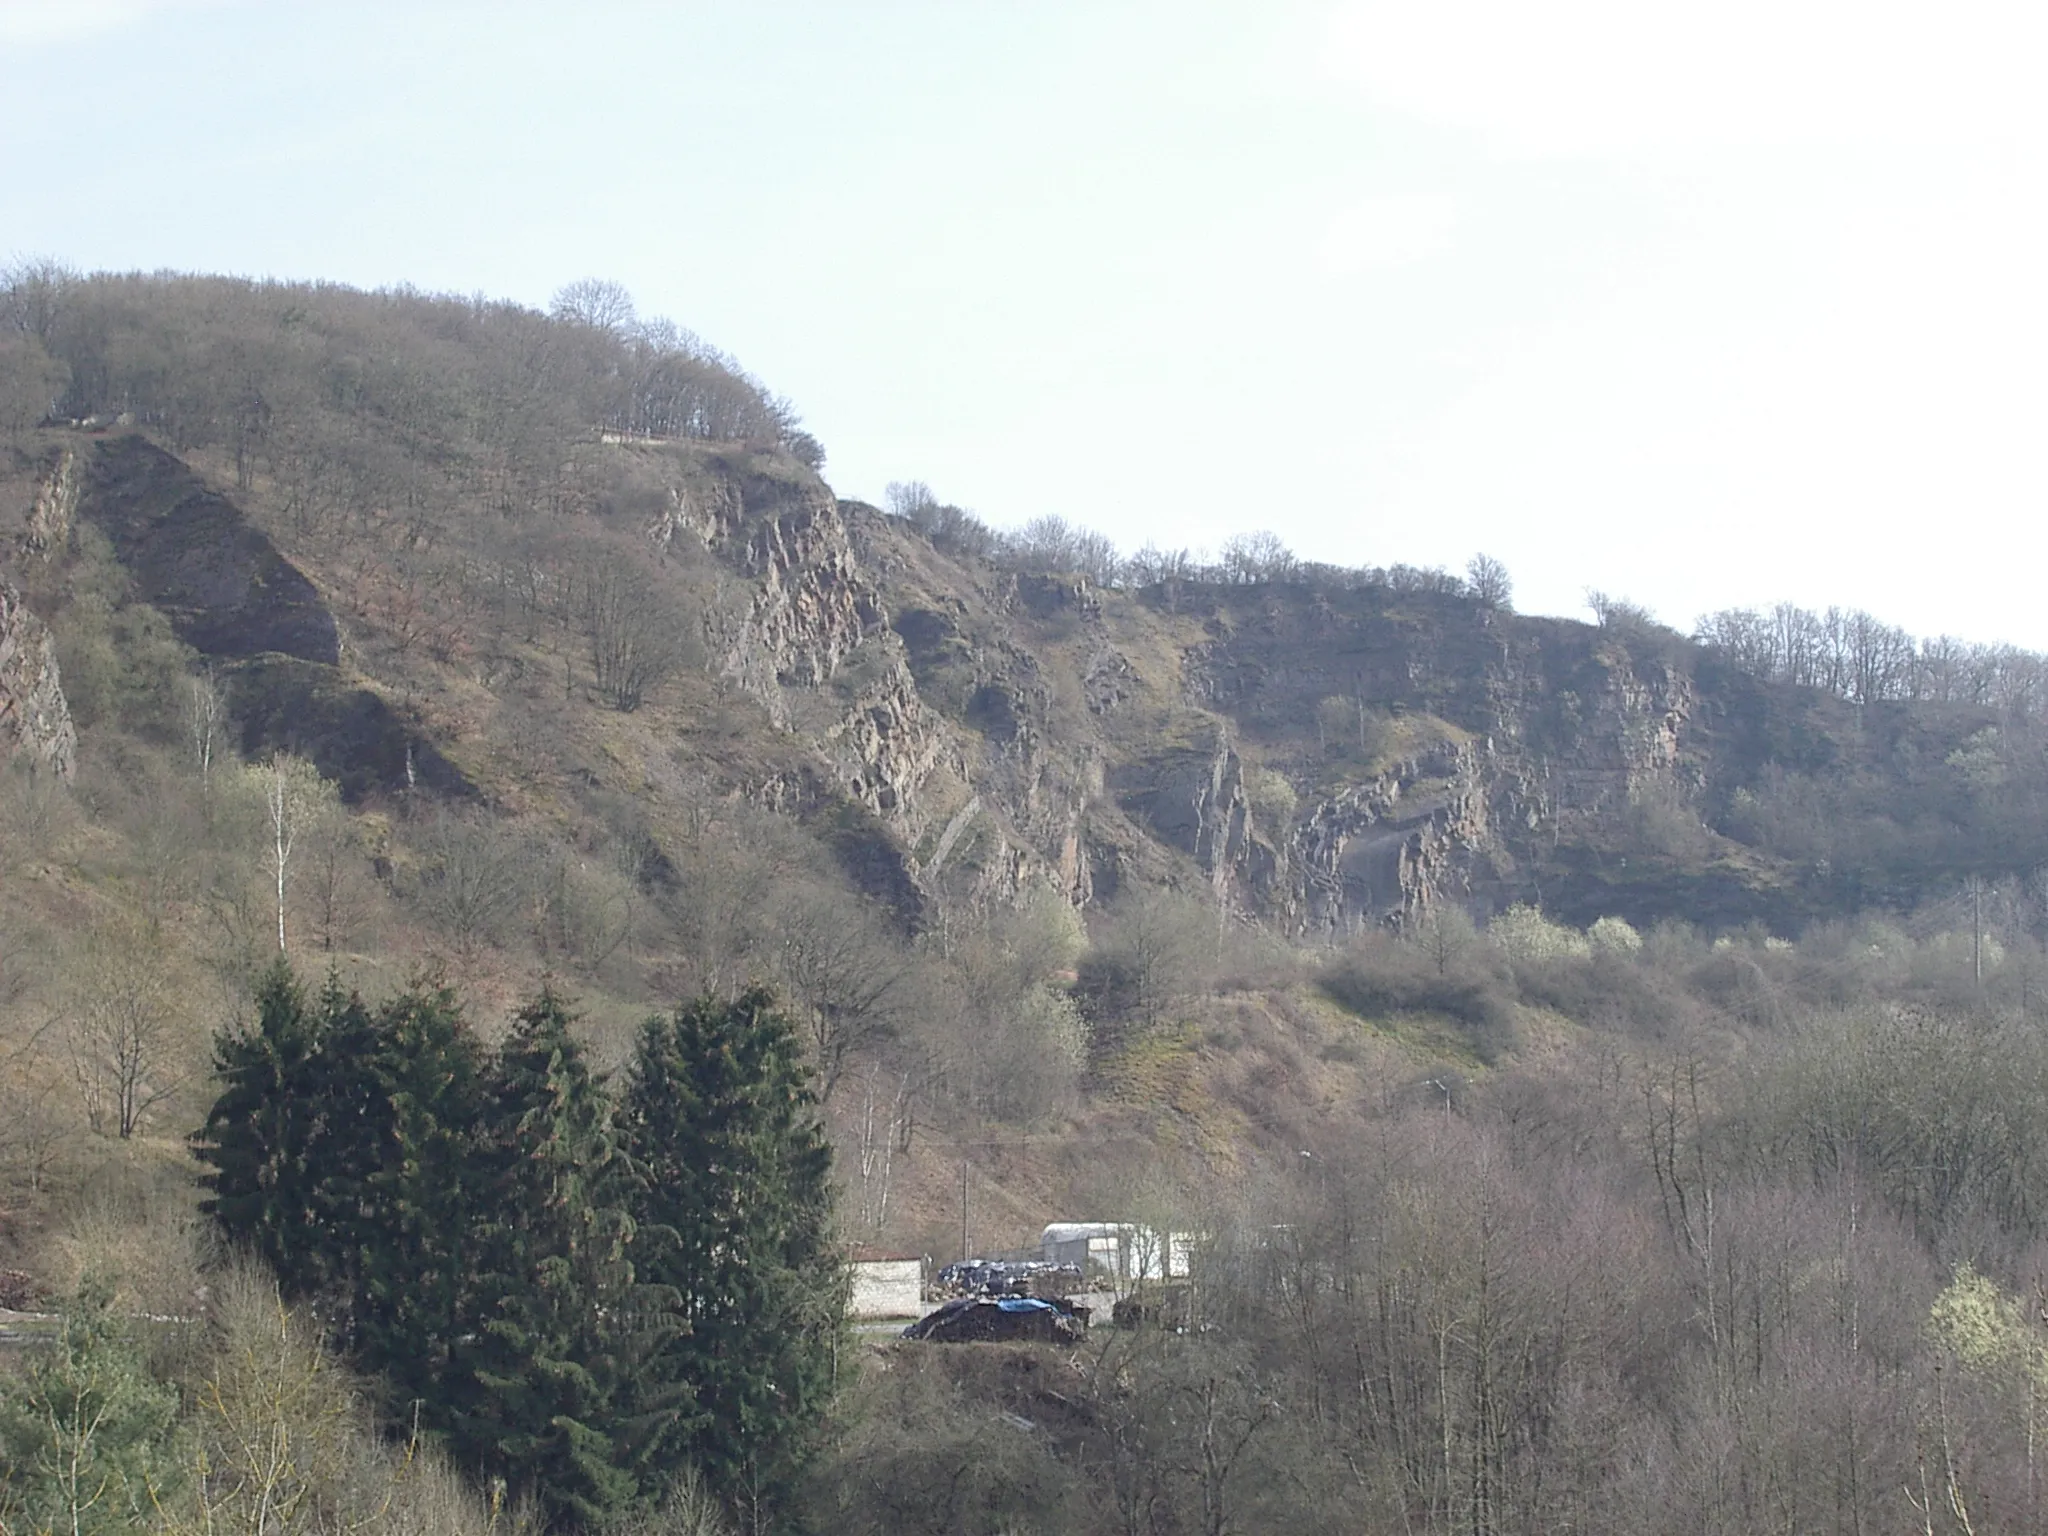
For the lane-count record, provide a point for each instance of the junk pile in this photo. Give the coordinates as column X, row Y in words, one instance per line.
column 1004, row 1319
column 1007, row 1277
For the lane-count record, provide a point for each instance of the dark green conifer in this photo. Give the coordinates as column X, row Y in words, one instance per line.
column 415, row 1281
column 297, row 1133
column 559, row 1317
column 735, row 1208
column 261, row 1133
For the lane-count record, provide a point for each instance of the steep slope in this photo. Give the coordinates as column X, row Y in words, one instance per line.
column 1314, row 758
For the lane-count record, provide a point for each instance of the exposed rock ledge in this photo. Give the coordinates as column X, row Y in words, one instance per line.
column 33, row 715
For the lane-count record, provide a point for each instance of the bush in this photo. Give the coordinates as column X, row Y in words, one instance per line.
column 1380, row 975
column 1524, row 933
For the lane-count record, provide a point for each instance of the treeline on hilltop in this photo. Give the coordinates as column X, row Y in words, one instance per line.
column 286, row 378
column 1845, row 652
column 1854, row 656
column 580, row 1291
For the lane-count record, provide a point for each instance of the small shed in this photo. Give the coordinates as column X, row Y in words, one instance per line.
column 886, row 1284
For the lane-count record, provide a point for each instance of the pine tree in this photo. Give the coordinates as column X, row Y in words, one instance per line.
column 561, row 1317
column 735, row 1209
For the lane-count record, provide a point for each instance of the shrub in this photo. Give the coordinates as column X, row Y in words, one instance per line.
column 1524, row 933
column 1380, row 975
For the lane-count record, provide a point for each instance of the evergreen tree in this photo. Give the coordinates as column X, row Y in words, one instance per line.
column 414, row 1264
column 297, row 1131
column 85, row 1431
column 356, row 1133
column 735, row 1208
column 260, row 1134
column 561, row 1317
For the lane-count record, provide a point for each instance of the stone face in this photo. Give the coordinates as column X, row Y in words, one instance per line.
column 53, row 508
column 34, row 718
column 1393, row 847
column 963, row 729
column 814, row 643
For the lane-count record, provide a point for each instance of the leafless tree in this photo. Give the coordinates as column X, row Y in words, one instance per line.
column 1250, row 557
column 35, row 296
column 910, row 499
column 337, row 884
column 122, row 1037
column 883, row 1132
column 1157, row 949
column 637, row 638
column 294, row 797
column 205, row 720
column 582, row 912
column 843, row 973
column 597, row 302
column 1489, row 581
column 473, row 880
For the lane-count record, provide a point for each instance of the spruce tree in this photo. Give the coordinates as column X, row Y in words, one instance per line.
column 415, row 1291
column 560, row 1318
column 261, row 1133
column 735, row 1212
column 355, row 1135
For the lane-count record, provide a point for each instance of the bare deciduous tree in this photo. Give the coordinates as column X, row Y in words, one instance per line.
column 473, row 880
column 1489, row 581
column 121, row 1037
column 294, row 798
column 637, row 637
column 597, row 302
column 1252, row 557
column 205, row 720
column 843, row 973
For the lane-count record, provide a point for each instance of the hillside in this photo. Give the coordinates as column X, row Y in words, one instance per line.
column 517, row 582
column 429, row 637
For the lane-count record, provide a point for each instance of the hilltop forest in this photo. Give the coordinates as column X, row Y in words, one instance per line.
column 1602, row 1066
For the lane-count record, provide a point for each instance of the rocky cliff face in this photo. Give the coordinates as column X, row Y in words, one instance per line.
column 811, row 638
column 959, row 730
column 1414, row 836
column 1542, row 736
column 53, row 508
column 34, row 719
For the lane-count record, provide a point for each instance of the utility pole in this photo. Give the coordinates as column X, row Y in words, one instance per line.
column 963, row 1209
column 1977, row 930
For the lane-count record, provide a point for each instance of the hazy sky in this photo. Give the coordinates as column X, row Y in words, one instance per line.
column 1698, row 305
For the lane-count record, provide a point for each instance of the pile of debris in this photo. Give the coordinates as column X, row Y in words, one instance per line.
column 1007, row 1319
column 1007, row 1277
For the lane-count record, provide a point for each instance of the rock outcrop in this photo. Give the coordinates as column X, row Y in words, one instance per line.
column 34, row 718
column 53, row 508
column 1388, row 850
column 812, row 641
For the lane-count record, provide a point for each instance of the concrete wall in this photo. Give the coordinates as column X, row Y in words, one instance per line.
column 888, row 1288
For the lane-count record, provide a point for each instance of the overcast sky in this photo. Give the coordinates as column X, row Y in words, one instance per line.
column 1702, row 306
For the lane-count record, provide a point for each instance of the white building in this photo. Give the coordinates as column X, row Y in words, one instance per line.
column 1122, row 1251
